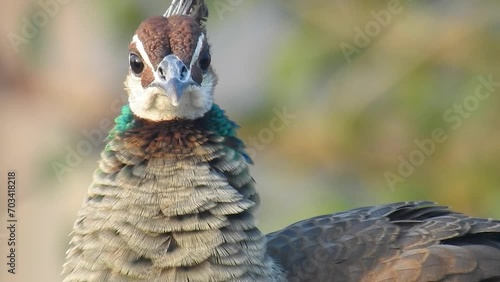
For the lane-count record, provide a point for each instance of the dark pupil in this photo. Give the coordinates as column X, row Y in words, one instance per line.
column 205, row 61
column 136, row 64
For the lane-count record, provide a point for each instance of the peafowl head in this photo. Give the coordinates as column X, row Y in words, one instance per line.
column 170, row 73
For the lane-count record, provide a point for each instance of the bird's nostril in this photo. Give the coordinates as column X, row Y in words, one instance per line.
column 184, row 72
column 178, row 69
column 161, row 72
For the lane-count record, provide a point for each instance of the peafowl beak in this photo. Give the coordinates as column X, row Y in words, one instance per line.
column 172, row 77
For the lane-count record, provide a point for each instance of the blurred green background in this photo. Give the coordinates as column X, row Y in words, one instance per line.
column 361, row 81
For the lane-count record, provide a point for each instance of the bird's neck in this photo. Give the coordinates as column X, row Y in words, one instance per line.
column 182, row 196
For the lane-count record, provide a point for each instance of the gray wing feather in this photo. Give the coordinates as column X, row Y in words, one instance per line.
column 412, row 241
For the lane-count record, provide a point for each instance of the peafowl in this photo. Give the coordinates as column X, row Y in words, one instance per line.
column 172, row 198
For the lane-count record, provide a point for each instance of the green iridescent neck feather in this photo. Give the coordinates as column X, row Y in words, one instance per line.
column 214, row 120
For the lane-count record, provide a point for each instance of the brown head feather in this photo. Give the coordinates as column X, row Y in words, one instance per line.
column 170, row 74
column 162, row 36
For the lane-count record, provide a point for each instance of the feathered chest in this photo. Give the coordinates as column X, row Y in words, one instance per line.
column 178, row 168
column 174, row 139
column 170, row 195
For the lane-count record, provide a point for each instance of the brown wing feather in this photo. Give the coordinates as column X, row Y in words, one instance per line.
column 414, row 241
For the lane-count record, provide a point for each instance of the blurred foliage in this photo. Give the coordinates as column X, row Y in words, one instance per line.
column 414, row 84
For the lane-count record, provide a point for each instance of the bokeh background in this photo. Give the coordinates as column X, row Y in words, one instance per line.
column 355, row 115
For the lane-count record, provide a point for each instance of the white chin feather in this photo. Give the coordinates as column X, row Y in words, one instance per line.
column 153, row 105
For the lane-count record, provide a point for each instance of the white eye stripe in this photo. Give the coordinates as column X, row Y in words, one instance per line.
column 142, row 51
column 197, row 51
